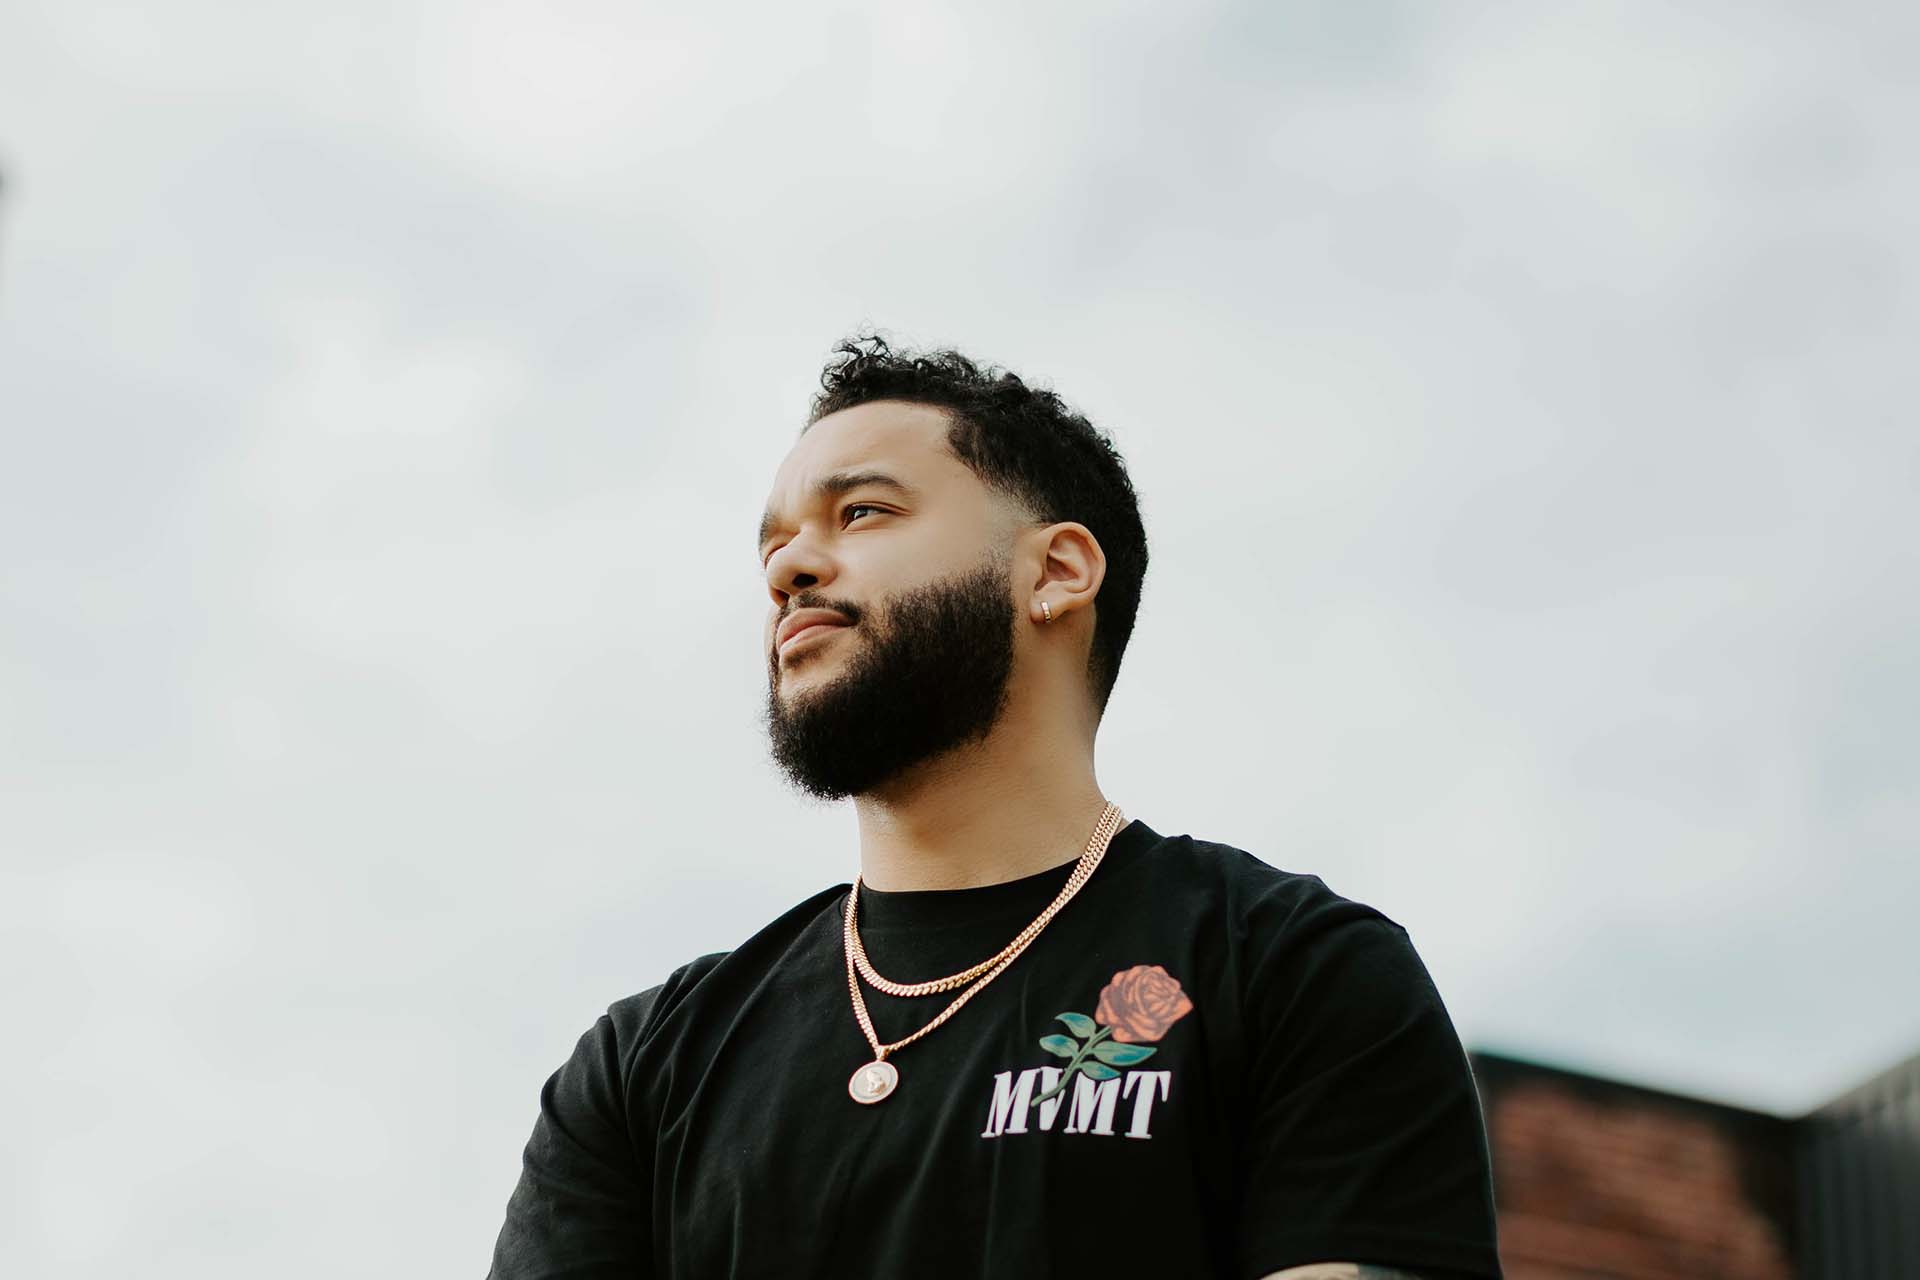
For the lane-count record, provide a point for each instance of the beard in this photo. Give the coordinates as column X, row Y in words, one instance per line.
column 927, row 673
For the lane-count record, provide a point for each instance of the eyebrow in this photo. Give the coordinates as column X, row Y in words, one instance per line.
column 832, row 486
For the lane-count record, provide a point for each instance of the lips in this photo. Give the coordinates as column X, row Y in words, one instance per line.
column 812, row 629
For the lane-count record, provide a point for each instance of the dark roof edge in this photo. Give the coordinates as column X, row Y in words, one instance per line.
column 1498, row 1069
column 1882, row 1087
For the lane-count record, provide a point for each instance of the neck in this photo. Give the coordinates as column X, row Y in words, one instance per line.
column 1014, row 804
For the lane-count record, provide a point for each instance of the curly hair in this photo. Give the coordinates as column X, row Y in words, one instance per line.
column 1026, row 443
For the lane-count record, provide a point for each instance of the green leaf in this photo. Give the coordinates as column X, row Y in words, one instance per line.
column 1078, row 1023
column 1122, row 1055
column 1060, row 1046
column 1097, row 1072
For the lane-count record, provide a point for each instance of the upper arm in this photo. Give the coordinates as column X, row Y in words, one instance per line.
column 582, row 1207
column 1364, row 1131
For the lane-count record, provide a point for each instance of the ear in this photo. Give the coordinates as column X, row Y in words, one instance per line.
column 1071, row 569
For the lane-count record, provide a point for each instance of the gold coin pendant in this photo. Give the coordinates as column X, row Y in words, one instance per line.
column 873, row 1082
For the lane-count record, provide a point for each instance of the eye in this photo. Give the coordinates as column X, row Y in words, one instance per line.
column 851, row 506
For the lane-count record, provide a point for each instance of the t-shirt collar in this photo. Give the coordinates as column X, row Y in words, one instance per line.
column 1028, row 895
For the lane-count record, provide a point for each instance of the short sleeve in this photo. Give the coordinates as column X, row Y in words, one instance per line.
column 1366, row 1140
column 582, row 1208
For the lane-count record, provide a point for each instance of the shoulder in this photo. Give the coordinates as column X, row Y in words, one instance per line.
column 633, row 1016
column 1280, row 937
column 1259, row 896
column 635, row 1019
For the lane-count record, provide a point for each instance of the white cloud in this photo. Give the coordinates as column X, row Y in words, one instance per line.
column 1516, row 397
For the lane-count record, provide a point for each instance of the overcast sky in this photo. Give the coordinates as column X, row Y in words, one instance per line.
column 1520, row 396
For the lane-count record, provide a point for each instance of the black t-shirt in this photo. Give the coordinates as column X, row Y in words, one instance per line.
column 1261, row 1075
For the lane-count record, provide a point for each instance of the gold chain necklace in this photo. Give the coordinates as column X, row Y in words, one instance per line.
column 1096, row 849
column 877, row 1079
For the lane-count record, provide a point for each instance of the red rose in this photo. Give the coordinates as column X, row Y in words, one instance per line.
column 1141, row 1003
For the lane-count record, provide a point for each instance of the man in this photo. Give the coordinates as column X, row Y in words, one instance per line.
column 1048, row 1040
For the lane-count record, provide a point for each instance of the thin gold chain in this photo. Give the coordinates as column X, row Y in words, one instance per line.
column 1096, row 850
column 1090, row 858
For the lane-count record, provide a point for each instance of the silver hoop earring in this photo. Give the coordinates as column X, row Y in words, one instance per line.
column 1046, row 610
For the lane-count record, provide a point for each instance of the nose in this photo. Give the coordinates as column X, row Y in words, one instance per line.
column 795, row 567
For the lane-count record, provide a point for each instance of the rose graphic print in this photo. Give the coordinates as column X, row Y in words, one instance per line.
column 1141, row 1003
column 1138, row 1005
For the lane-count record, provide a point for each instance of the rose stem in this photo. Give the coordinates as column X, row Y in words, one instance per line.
column 1073, row 1065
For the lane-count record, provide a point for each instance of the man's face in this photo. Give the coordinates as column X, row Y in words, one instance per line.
column 924, row 661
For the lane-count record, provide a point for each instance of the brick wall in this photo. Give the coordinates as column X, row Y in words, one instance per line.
column 1598, row 1180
